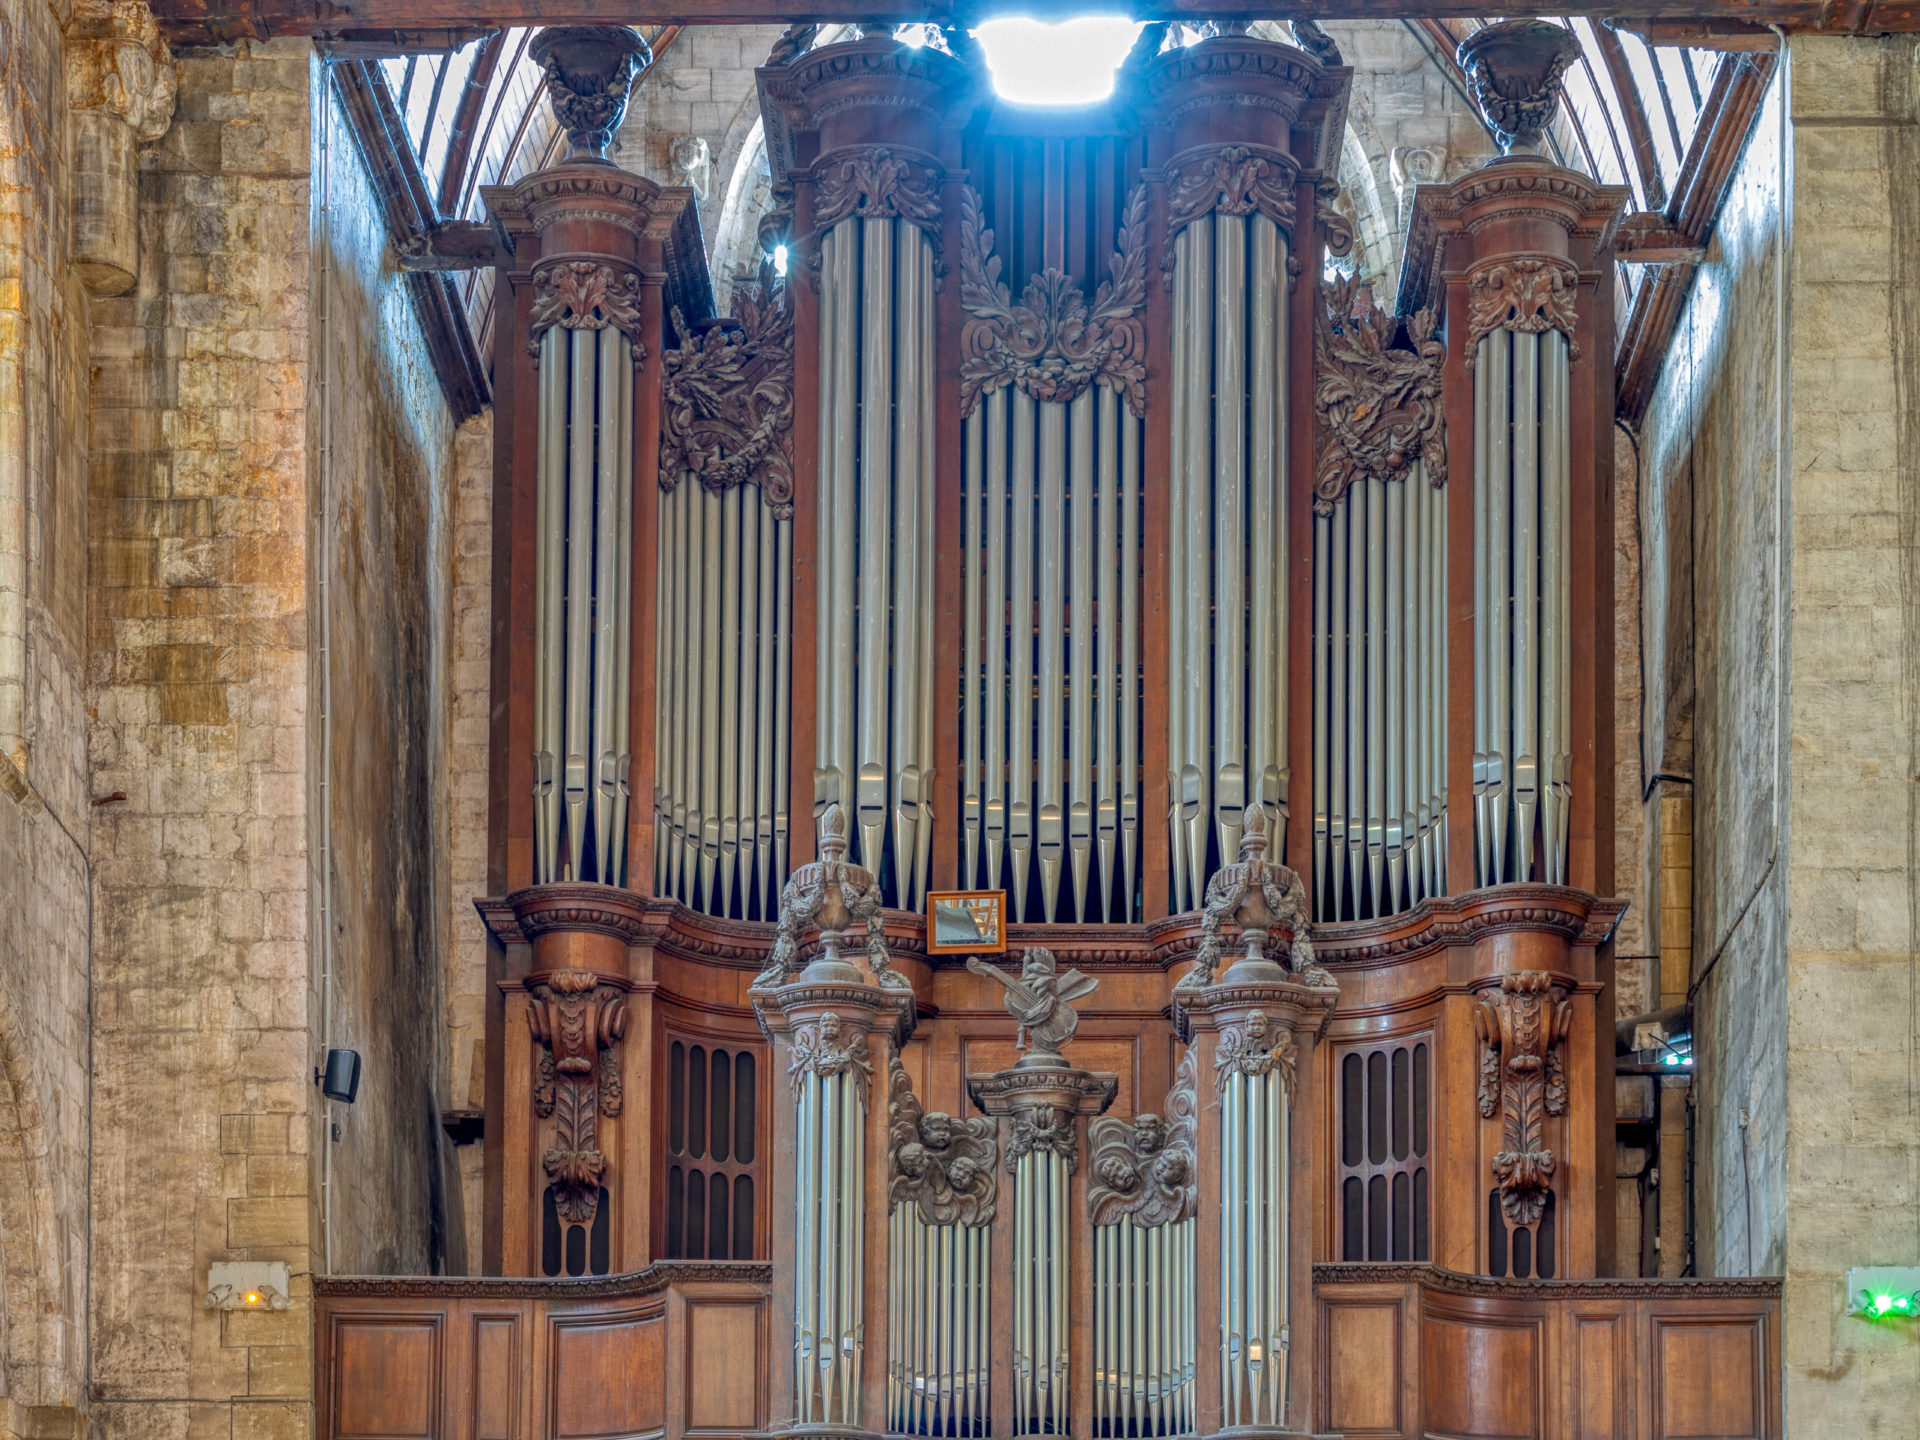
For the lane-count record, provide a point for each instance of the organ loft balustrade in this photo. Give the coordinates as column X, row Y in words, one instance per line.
column 1065, row 525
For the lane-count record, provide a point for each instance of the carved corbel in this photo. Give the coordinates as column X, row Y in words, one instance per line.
column 873, row 182
column 578, row 1020
column 1228, row 180
column 1380, row 406
column 1522, row 1027
column 586, row 295
column 822, row 1048
column 941, row 1166
column 1042, row 1130
column 1255, row 1047
column 1144, row 1168
column 121, row 88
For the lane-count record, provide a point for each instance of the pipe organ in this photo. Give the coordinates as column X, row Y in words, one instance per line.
column 1058, row 525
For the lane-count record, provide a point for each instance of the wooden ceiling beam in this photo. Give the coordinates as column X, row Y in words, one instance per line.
column 218, row 21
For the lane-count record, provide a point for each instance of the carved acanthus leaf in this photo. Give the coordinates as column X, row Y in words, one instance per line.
column 942, row 1166
column 727, row 399
column 1380, row 406
column 872, row 182
column 1522, row 1074
column 1050, row 344
column 1529, row 294
column 1043, row 1130
column 1144, row 1168
column 577, row 1019
column 1228, row 180
column 586, row 295
column 823, row 1048
column 1253, row 1048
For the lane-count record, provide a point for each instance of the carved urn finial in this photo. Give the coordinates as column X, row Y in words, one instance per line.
column 1513, row 72
column 831, row 896
column 590, row 72
column 1255, row 893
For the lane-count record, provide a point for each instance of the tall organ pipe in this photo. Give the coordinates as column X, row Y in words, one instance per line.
column 1253, row 1249
column 830, row 1223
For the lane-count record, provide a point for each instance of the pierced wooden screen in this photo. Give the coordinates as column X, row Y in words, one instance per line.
column 1383, row 1129
column 713, row 1151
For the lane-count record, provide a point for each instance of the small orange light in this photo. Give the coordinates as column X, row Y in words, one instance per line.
column 253, row 1297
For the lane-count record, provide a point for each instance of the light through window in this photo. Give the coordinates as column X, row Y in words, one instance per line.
column 1071, row 63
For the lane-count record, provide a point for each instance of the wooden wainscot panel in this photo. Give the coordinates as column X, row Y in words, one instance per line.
column 1711, row 1378
column 1363, row 1366
column 1599, row 1400
column 385, row 1376
column 722, row 1340
column 497, row 1380
column 1482, row 1379
column 606, row 1373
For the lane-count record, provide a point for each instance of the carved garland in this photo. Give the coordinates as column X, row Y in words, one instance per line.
column 1051, row 344
column 1523, row 1075
column 1254, row 1048
column 1144, row 1168
column 1228, row 180
column 1043, row 1130
column 586, row 295
column 819, row 1050
column 871, row 182
column 727, row 400
column 849, row 894
column 1380, row 406
column 576, row 1019
column 1254, row 892
column 1529, row 294
column 941, row 1166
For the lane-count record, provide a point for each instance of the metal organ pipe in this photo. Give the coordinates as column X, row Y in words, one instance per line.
column 1144, row 1341
column 1253, row 1249
column 829, row 1227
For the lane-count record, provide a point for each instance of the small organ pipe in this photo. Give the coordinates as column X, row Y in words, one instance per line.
column 619, row 786
column 1266, row 561
column 1129, row 658
column 1374, row 789
column 1106, row 608
column 693, row 690
column 1229, row 531
column 782, row 716
column 604, row 625
column 768, row 656
column 972, row 683
column 1049, row 636
column 1177, row 580
column 711, row 663
column 996, row 634
column 835, row 521
column 877, row 319
column 1499, row 569
column 1391, row 723
column 1020, row 621
column 1196, row 530
column 903, row 768
column 726, row 754
column 1080, row 732
column 1483, row 481
column 1526, row 598
column 1322, row 631
column 664, row 567
column 826, row 661
column 923, row 860
column 750, row 647
column 1555, row 759
column 578, row 610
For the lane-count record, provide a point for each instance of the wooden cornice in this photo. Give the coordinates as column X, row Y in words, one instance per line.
column 190, row 22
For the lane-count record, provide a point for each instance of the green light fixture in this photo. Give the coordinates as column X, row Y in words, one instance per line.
column 1884, row 1292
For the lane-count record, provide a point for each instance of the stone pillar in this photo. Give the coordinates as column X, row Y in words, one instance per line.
column 120, row 93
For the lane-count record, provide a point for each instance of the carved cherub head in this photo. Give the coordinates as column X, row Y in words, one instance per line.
column 1116, row 1172
column 963, row 1173
column 830, row 1027
column 913, row 1160
column 1257, row 1025
column 1170, row 1169
column 936, row 1130
column 1149, row 1133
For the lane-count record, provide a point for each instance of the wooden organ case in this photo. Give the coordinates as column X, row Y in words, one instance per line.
column 1066, row 522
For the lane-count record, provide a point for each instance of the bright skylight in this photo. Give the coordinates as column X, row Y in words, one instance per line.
column 1071, row 63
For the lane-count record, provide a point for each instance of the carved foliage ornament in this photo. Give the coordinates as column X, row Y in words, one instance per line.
column 577, row 1020
column 832, row 895
column 1523, row 1075
column 1050, row 343
column 1144, row 1168
column 1255, row 893
column 1255, row 1047
column 586, row 295
column 1530, row 294
column 1043, row 1130
column 941, row 1166
column 1228, row 180
column 1379, row 406
column 823, row 1048
column 727, row 411
column 871, row 182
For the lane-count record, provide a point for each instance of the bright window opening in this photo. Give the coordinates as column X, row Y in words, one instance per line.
column 1071, row 63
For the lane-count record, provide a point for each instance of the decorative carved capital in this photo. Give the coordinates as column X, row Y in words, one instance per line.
column 1043, row 1130
column 1380, row 406
column 1523, row 1075
column 1145, row 1168
column 1256, row 894
column 590, row 72
column 1228, row 180
column 118, row 62
column 1255, row 1047
column 831, row 895
column 727, row 411
column 823, row 1047
column 1529, row 294
column 942, row 1166
column 1037, row 1000
column 1513, row 71
column 1051, row 344
column 578, row 1019
column 586, row 295
column 873, row 182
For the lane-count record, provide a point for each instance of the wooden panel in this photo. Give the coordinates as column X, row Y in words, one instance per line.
column 386, row 1377
column 1481, row 1380
column 725, row 1350
column 1365, row 1361
column 607, row 1376
column 1707, row 1379
column 496, row 1377
column 1600, row 1362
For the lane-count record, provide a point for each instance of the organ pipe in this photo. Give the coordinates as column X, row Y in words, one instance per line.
column 830, row 1205
column 1041, row 1247
column 1253, row 1250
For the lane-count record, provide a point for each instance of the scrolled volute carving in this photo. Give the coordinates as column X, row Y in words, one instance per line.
column 1144, row 1168
column 577, row 1019
column 1038, row 1000
column 1228, row 180
column 1050, row 343
column 941, row 1166
column 823, row 1048
column 832, row 895
column 1379, row 406
column 1255, row 893
column 873, row 182
column 727, row 398
column 1523, row 1076
column 1529, row 294
column 586, row 295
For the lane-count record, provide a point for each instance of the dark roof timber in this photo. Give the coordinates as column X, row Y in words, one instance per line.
column 1729, row 24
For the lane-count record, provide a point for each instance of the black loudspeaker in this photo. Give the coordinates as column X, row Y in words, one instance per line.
column 342, row 1079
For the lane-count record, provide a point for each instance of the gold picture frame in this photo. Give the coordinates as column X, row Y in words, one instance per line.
column 952, row 914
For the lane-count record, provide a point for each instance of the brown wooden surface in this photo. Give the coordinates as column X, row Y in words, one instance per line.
column 1409, row 1351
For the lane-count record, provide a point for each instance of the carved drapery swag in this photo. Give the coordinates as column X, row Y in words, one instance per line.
column 1522, row 1026
column 1144, row 1168
column 586, row 295
column 727, row 411
column 833, row 895
column 1255, row 1047
column 1255, row 893
column 1042, row 1130
column 874, row 182
column 1229, row 180
column 1051, row 343
column 1530, row 294
column 1380, row 406
column 822, row 1047
column 941, row 1166
column 577, row 1019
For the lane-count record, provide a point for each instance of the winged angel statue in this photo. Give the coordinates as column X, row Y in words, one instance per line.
column 1038, row 1000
